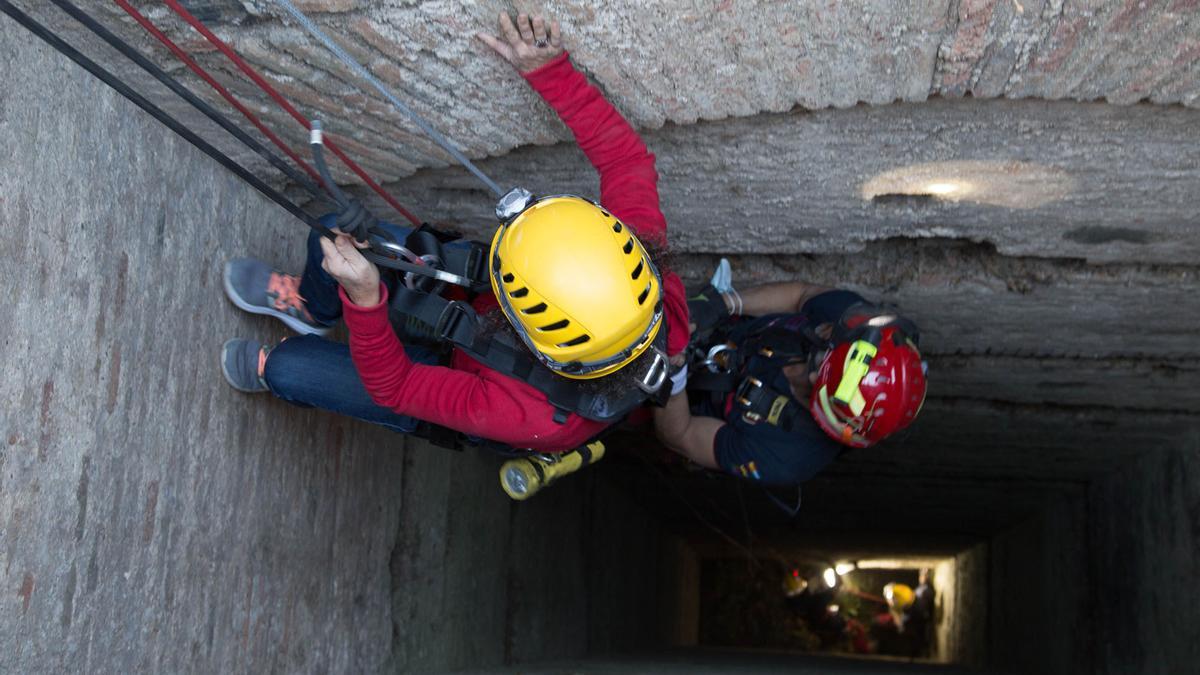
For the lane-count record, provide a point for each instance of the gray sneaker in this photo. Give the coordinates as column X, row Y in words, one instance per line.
column 253, row 286
column 243, row 363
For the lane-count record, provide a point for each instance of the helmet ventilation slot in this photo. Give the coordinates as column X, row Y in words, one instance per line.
column 645, row 293
column 628, row 246
column 617, row 226
column 536, row 309
column 557, row 325
column 508, row 278
column 637, row 271
column 519, row 293
column 576, row 341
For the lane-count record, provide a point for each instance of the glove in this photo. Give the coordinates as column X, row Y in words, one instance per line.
column 707, row 309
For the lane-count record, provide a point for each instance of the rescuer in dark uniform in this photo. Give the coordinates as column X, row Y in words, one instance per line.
column 784, row 376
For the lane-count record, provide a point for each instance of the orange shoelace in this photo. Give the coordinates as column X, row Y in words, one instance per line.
column 262, row 360
column 285, row 291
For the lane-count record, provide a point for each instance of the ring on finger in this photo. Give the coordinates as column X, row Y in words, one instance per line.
column 541, row 43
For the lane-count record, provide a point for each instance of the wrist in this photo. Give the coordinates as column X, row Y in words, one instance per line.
column 364, row 296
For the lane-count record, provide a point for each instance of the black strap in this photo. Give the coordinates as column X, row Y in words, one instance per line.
column 760, row 403
column 457, row 322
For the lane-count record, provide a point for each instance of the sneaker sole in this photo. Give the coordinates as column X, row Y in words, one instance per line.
column 225, row 371
column 291, row 321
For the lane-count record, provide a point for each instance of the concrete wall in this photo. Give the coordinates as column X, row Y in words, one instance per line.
column 679, row 62
column 1144, row 529
column 153, row 519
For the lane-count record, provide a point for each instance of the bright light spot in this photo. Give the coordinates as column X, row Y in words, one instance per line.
column 796, row 573
column 1006, row 183
column 941, row 188
column 843, row 568
column 830, row 577
column 887, row 592
column 833, row 609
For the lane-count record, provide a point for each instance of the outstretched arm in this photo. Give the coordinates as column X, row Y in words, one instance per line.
column 691, row 436
column 628, row 180
column 784, row 296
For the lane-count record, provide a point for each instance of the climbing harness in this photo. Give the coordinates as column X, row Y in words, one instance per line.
column 746, row 361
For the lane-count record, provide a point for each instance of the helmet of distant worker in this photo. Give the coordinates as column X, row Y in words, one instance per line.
column 899, row 596
column 576, row 285
column 870, row 383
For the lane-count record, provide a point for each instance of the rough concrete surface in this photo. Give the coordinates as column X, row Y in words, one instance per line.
column 682, row 61
column 155, row 520
column 1048, row 179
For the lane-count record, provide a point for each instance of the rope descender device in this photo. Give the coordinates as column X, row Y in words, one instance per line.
column 354, row 219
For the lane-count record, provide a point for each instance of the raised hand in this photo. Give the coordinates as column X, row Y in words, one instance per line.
column 528, row 45
column 357, row 275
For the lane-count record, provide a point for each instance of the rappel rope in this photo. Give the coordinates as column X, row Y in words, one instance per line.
column 362, row 72
column 186, row 94
column 270, row 91
column 216, row 86
column 157, row 113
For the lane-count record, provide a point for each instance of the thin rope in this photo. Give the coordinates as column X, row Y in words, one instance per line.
column 362, row 72
column 186, row 94
column 157, row 113
column 217, row 86
column 283, row 103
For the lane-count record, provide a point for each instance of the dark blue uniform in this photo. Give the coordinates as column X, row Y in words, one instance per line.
column 762, row 451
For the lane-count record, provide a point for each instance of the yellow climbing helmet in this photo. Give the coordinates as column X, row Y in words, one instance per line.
column 899, row 596
column 575, row 283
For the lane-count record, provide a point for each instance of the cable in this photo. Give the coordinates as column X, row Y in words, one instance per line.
column 363, row 73
column 212, row 82
column 186, row 94
column 288, row 107
column 157, row 113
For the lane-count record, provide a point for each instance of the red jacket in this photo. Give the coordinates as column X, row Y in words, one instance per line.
column 473, row 399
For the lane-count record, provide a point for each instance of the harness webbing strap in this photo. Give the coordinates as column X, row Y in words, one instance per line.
column 157, row 113
column 374, row 82
column 457, row 323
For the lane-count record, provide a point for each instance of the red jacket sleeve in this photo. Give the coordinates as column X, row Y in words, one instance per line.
column 628, row 179
column 463, row 401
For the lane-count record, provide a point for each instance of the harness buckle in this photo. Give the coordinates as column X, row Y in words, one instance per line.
column 447, row 321
column 717, row 360
column 742, row 398
column 654, row 378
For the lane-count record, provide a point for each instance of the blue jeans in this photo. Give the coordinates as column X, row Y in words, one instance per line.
column 313, row 372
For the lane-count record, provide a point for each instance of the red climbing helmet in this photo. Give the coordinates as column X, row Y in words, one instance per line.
column 871, row 383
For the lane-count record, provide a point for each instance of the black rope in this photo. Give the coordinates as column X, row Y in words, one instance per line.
column 187, row 95
column 157, row 113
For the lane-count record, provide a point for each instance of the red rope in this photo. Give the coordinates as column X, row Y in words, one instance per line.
column 195, row 67
column 283, row 103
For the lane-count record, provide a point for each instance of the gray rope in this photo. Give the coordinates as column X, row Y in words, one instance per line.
column 363, row 73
